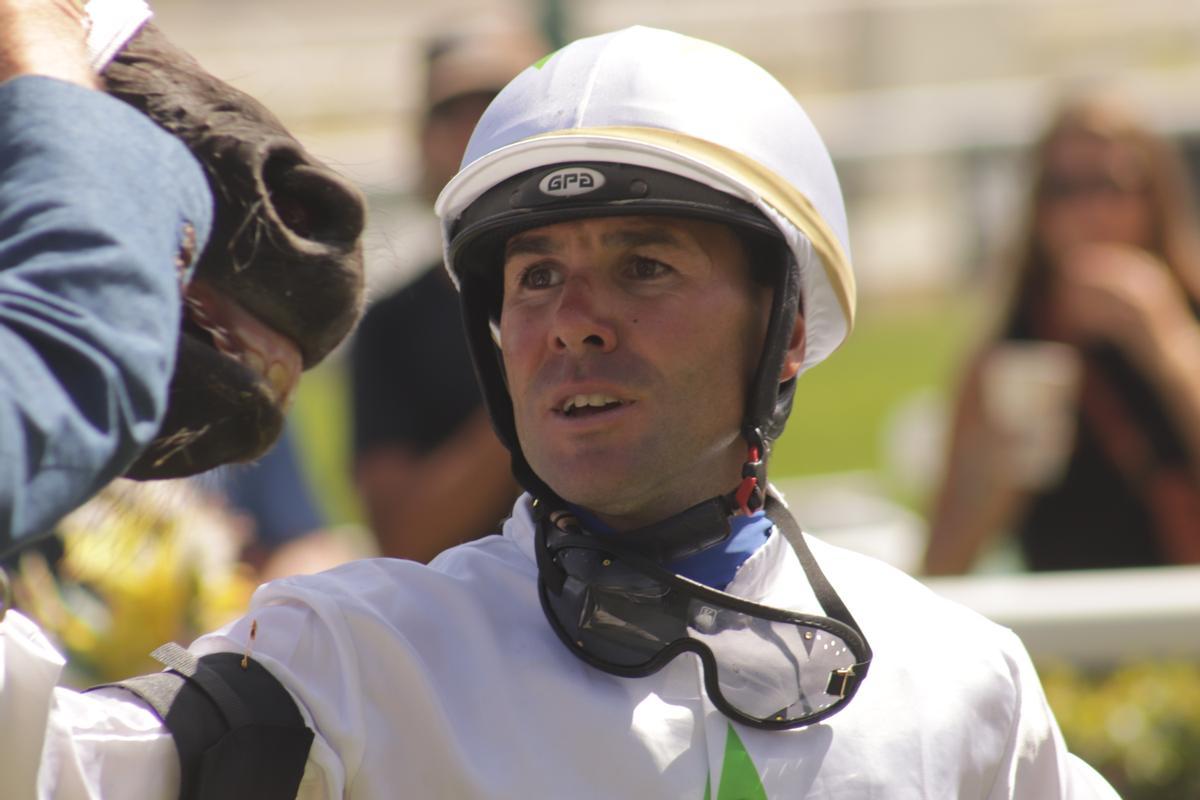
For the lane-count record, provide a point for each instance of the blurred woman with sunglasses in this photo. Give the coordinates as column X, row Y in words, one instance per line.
column 1077, row 425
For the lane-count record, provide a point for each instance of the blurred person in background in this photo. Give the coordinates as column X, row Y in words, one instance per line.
column 1077, row 426
column 429, row 469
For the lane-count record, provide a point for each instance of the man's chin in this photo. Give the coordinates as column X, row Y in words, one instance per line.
column 628, row 493
column 602, row 492
column 614, row 497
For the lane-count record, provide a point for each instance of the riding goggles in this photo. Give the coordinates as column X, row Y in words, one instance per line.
column 765, row 667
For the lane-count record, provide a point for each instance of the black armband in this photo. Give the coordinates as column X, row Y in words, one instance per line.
column 237, row 729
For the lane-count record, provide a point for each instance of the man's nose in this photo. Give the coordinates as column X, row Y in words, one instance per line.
column 581, row 323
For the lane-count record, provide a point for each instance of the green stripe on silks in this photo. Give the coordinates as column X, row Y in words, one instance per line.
column 739, row 776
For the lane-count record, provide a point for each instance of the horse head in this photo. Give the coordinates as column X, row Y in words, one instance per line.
column 279, row 283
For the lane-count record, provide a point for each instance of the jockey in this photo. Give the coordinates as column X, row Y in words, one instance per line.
column 650, row 244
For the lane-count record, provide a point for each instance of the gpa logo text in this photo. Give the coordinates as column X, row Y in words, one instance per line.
column 571, row 181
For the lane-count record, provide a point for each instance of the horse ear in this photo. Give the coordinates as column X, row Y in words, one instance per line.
column 285, row 247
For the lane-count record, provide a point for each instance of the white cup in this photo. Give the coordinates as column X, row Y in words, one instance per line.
column 1030, row 398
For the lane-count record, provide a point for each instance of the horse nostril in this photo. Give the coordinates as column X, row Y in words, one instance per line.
column 311, row 201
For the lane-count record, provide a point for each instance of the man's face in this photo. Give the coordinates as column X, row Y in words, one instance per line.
column 629, row 343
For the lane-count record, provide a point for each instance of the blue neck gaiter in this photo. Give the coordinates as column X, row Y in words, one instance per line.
column 715, row 566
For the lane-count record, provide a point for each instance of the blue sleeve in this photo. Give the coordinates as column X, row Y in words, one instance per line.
column 95, row 205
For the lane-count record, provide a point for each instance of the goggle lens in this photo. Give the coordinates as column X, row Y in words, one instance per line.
column 771, row 670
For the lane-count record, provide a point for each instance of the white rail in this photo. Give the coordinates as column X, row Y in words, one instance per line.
column 1091, row 618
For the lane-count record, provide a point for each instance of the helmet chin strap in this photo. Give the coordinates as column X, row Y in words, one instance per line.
column 751, row 492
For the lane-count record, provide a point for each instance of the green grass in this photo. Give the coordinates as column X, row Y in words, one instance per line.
column 842, row 405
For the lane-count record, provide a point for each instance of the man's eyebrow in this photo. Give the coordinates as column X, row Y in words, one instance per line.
column 640, row 237
column 529, row 245
column 539, row 245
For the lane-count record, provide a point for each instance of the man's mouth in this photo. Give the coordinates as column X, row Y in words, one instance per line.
column 579, row 405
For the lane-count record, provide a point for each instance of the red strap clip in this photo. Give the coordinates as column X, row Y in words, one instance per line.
column 746, row 488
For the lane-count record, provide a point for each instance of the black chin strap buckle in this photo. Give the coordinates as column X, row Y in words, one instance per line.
column 546, row 516
column 751, row 492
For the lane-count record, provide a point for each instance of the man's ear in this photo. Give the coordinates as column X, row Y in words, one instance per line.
column 793, row 357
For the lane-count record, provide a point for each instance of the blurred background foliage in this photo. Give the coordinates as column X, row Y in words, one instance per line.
column 1139, row 725
column 905, row 347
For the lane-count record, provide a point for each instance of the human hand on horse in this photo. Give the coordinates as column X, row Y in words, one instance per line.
column 45, row 37
column 280, row 283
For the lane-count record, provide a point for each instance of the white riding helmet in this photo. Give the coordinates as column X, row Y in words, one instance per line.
column 646, row 121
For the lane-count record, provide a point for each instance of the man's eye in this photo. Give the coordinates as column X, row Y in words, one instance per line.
column 646, row 268
column 538, row 276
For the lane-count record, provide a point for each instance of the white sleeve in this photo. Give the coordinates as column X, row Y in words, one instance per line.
column 100, row 745
column 57, row 743
column 1036, row 762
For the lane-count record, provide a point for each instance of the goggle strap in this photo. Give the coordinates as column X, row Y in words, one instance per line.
column 830, row 602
